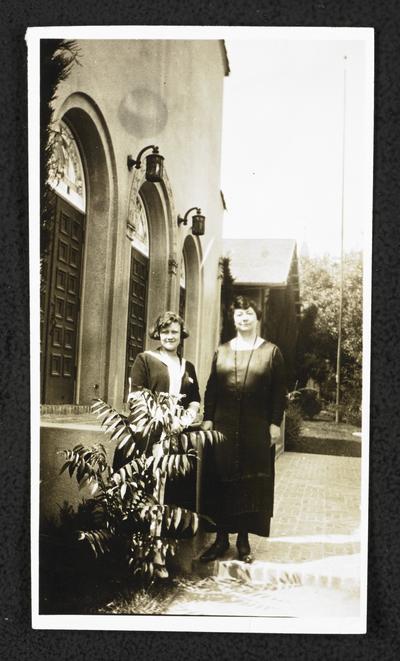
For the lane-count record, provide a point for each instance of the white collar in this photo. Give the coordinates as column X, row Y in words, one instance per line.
column 166, row 362
column 238, row 346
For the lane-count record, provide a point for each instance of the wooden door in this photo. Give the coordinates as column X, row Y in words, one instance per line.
column 62, row 307
column 137, row 309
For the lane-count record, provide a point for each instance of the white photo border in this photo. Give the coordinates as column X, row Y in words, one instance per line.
column 267, row 624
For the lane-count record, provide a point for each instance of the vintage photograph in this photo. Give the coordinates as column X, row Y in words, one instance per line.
column 200, row 241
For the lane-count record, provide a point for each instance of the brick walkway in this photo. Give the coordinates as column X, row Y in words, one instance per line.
column 317, row 509
column 316, row 513
column 315, row 529
column 310, row 564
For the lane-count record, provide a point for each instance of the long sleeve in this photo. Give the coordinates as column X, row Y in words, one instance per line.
column 210, row 395
column 278, row 387
column 193, row 393
column 139, row 374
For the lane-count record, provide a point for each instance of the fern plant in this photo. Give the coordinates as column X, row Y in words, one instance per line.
column 154, row 444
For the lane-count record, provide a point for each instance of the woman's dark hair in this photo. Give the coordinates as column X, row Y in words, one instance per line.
column 163, row 321
column 243, row 303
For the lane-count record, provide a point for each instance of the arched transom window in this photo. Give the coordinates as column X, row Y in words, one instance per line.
column 140, row 234
column 66, row 175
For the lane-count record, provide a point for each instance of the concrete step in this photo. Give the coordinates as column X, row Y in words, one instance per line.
column 334, row 572
column 318, row 589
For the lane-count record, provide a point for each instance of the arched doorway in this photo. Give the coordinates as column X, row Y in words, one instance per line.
column 60, row 301
column 153, row 267
column 190, row 293
column 80, row 114
column 138, row 287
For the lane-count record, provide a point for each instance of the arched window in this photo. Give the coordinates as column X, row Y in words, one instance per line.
column 140, row 238
column 66, row 172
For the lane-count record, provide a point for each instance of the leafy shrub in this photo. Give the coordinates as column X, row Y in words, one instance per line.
column 293, row 423
column 350, row 409
column 308, row 401
column 128, row 510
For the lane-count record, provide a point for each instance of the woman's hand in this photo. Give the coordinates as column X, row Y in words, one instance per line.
column 187, row 418
column 207, row 425
column 177, row 427
column 275, row 433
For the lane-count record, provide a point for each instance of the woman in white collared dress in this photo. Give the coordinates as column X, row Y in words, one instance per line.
column 164, row 370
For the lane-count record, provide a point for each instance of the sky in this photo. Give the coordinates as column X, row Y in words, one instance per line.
column 282, row 154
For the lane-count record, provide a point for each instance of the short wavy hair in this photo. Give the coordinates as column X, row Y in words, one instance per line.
column 243, row 303
column 163, row 321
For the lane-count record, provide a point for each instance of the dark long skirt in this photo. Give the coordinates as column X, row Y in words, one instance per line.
column 238, row 504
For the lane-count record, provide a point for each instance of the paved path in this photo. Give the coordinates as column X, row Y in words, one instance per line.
column 310, row 564
column 317, row 509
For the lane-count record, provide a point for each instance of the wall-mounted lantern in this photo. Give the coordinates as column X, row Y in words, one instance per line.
column 154, row 163
column 198, row 221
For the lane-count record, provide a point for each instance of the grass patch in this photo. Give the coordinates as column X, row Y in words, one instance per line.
column 329, row 429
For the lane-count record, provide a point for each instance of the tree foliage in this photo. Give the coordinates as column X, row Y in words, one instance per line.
column 227, row 294
column 318, row 332
column 154, row 444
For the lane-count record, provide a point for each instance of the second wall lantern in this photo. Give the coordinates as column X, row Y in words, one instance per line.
column 198, row 221
column 154, row 164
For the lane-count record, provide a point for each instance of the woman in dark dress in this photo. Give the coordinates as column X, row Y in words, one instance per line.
column 245, row 400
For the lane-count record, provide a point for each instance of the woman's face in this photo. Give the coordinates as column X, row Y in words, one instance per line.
column 245, row 320
column 170, row 336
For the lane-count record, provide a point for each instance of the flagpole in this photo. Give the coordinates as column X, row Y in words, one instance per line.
column 339, row 344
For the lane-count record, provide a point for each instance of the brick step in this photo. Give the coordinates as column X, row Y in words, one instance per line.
column 73, row 409
column 64, row 409
column 325, row 588
column 326, row 573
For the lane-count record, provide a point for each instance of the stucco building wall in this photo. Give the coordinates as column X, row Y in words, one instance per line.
column 121, row 96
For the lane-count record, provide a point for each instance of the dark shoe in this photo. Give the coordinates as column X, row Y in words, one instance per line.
column 215, row 551
column 245, row 556
column 244, row 551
